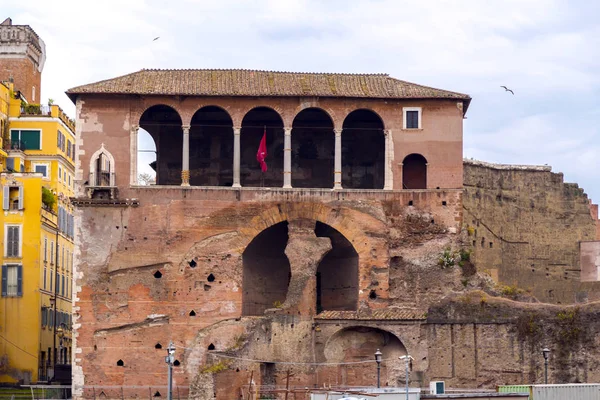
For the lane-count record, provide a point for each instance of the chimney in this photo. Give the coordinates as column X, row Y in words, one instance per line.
column 7, row 21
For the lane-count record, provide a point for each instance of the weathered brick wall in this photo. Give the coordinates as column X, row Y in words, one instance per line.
column 525, row 225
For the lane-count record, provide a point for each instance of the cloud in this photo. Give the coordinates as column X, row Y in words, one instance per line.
column 547, row 51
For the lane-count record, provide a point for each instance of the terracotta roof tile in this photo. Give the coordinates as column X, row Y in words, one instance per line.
column 384, row 314
column 206, row 82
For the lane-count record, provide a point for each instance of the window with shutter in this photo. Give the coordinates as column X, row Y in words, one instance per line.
column 412, row 117
column 13, row 241
column 12, row 280
column 5, row 197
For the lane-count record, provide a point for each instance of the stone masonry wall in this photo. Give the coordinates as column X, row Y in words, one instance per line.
column 525, row 225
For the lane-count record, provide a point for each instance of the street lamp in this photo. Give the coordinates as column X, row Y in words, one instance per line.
column 378, row 361
column 407, row 359
column 169, row 359
column 546, row 353
column 61, row 333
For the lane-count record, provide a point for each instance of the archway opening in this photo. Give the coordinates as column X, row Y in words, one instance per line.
column 146, row 158
column 359, row 343
column 266, row 270
column 313, row 144
column 255, row 123
column 414, row 172
column 163, row 123
column 211, row 148
column 337, row 274
column 363, row 151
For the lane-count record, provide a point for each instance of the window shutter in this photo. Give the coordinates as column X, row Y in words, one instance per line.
column 20, row 280
column 5, row 197
column 4, row 280
column 20, row 197
column 10, row 164
column 43, row 316
column 59, row 218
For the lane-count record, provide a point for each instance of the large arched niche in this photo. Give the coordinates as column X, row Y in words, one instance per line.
column 414, row 172
column 359, row 343
column 337, row 273
column 363, row 150
column 266, row 270
column 164, row 124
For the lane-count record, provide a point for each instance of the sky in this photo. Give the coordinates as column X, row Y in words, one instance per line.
column 546, row 51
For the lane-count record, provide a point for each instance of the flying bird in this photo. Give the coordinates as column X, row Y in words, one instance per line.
column 507, row 89
column 156, row 38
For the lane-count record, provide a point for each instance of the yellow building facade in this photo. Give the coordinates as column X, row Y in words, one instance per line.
column 37, row 181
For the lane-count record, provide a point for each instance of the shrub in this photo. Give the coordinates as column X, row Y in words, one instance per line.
column 48, row 198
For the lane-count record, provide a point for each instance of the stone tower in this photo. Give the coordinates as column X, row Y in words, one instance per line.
column 22, row 57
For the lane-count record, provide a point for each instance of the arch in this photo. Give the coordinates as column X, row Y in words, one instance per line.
column 363, row 150
column 337, row 273
column 211, row 147
column 313, row 149
column 102, row 168
column 256, row 122
column 146, row 158
column 265, row 271
column 414, row 172
column 359, row 343
column 164, row 124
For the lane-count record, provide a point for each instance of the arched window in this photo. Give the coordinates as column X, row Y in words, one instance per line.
column 363, row 151
column 102, row 168
column 312, row 149
column 414, row 172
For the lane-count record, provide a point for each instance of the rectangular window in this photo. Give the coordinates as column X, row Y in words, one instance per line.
column 69, row 180
column 59, row 173
column 12, row 198
column 12, row 241
column 45, row 249
column 57, row 278
column 63, row 285
column 26, row 139
column 45, row 272
column 51, row 254
column 69, row 148
column 51, row 280
column 12, row 280
column 412, row 117
column 57, row 256
column 63, row 257
column 41, row 169
column 65, row 177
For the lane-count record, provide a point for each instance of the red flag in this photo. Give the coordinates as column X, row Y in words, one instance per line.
column 261, row 154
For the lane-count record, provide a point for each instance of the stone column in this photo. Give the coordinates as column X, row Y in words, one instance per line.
column 185, row 158
column 236, row 157
column 305, row 251
column 287, row 158
column 133, row 155
column 337, row 164
column 388, row 173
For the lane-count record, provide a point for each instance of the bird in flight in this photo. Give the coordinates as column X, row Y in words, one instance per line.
column 507, row 89
column 156, row 38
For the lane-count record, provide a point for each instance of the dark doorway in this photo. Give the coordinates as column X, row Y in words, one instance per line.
column 313, row 144
column 266, row 270
column 337, row 274
column 164, row 125
column 363, row 151
column 414, row 172
column 211, row 148
column 255, row 123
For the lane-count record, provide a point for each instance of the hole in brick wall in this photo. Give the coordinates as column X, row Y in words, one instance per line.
column 192, row 263
column 95, row 348
column 474, row 242
column 433, row 221
column 192, row 313
column 158, row 346
column 444, row 203
column 120, row 363
column 437, row 187
column 211, row 346
column 176, row 363
column 410, row 202
column 207, row 288
column 372, row 295
column 157, row 394
column 482, row 241
column 491, row 245
column 117, row 227
column 125, row 227
column 211, row 278
column 237, row 370
column 158, row 275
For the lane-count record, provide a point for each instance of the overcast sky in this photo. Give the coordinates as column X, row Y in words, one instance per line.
column 547, row 51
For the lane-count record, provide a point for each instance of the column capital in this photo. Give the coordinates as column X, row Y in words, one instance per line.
column 186, row 128
column 135, row 128
column 387, row 132
column 338, row 132
column 287, row 131
column 237, row 130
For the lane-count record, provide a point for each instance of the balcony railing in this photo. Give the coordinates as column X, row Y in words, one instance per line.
column 35, row 109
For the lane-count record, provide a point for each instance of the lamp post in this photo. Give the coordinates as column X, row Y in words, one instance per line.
column 546, row 353
column 378, row 361
column 406, row 359
column 169, row 359
column 61, row 333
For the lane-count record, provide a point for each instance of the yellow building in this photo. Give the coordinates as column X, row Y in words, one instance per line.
column 37, row 181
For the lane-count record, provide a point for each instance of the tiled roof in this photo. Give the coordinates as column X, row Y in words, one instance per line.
column 384, row 314
column 235, row 82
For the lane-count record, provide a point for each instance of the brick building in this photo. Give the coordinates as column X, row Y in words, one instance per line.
column 335, row 251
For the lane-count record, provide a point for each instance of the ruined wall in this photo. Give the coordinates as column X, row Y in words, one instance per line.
column 525, row 225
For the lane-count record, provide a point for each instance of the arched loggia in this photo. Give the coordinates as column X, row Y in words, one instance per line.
column 363, row 151
column 211, row 148
column 312, row 149
column 164, row 124
column 255, row 123
column 414, row 172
